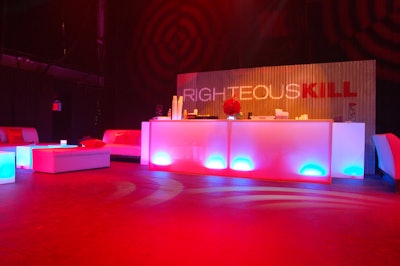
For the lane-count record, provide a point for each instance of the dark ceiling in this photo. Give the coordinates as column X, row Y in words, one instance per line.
column 57, row 32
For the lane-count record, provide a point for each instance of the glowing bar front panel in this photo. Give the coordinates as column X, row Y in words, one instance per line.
column 194, row 146
column 277, row 150
column 282, row 149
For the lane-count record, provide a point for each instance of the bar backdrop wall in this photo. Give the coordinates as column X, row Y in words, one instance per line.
column 343, row 91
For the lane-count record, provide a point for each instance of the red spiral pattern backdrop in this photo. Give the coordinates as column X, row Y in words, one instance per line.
column 172, row 37
column 176, row 36
column 366, row 29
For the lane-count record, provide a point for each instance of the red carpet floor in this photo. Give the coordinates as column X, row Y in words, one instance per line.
column 128, row 215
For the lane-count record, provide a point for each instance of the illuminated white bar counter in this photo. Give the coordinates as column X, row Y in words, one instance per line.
column 290, row 150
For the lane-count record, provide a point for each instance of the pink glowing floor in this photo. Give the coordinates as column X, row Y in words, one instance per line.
column 128, row 215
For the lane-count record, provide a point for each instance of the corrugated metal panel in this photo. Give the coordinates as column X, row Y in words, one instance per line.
column 322, row 91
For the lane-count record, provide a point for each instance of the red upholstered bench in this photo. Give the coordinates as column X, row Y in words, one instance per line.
column 59, row 160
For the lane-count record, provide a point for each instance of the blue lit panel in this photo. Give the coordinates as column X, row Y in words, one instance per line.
column 216, row 162
column 161, row 158
column 242, row 164
column 313, row 170
column 7, row 167
column 24, row 157
column 354, row 170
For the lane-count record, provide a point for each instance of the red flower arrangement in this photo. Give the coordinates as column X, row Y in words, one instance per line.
column 231, row 106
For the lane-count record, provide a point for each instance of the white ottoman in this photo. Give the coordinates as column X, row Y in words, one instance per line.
column 60, row 160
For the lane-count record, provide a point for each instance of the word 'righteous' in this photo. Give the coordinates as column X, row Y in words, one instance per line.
column 261, row 92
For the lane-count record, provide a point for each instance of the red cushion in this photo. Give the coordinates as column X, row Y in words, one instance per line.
column 92, row 143
column 14, row 135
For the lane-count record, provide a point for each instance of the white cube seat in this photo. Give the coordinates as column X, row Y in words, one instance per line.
column 7, row 167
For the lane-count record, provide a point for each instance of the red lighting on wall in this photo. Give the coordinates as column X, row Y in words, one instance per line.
column 56, row 107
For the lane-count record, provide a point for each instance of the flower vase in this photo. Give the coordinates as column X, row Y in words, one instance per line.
column 231, row 108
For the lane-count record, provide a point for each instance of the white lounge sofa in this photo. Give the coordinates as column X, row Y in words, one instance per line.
column 11, row 137
column 388, row 153
column 123, row 142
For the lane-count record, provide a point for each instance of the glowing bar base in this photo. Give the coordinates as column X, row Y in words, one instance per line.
column 7, row 167
column 288, row 150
